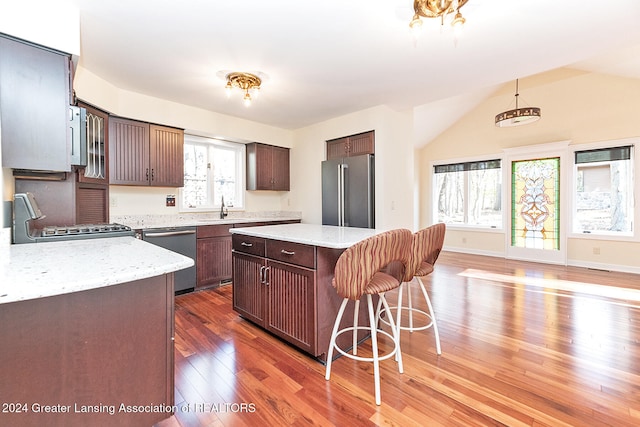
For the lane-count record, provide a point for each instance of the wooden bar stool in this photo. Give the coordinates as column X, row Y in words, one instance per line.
column 359, row 272
column 426, row 247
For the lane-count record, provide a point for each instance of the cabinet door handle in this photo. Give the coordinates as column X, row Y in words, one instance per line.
column 287, row 252
column 147, row 173
column 262, row 275
column 267, row 271
column 153, row 175
column 246, row 244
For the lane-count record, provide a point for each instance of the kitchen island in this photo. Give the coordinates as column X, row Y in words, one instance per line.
column 282, row 281
column 87, row 332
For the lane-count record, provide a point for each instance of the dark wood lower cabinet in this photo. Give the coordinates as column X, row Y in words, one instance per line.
column 101, row 357
column 286, row 289
column 248, row 287
column 291, row 304
column 213, row 253
column 213, row 263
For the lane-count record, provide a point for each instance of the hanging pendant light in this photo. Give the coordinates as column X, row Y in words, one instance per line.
column 518, row 116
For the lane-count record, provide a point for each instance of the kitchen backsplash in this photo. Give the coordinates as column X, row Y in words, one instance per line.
column 146, row 221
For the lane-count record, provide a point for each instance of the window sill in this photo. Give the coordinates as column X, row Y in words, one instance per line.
column 209, row 209
column 602, row 236
column 474, row 228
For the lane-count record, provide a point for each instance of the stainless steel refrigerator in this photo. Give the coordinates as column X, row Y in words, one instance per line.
column 348, row 192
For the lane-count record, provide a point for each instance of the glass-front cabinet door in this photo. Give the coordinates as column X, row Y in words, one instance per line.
column 97, row 170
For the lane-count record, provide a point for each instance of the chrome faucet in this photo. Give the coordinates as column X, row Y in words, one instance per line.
column 223, row 212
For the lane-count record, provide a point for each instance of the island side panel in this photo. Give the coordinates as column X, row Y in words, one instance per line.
column 89, row 350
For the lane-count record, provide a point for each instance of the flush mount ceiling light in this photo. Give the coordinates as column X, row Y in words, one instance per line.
column 247, row 82
column 518, row 116
column 442, row 9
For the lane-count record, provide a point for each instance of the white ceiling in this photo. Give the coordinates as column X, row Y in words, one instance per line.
column 326, row 59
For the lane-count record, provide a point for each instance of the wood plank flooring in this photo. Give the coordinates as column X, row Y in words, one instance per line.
column 523, row 344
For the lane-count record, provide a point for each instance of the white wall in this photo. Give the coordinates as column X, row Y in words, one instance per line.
column 394, row 164
column 394, row 153
column 148, row 200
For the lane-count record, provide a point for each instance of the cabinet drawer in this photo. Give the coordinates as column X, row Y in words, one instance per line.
column 293, row 253
column 248, row 244
column 213, row 230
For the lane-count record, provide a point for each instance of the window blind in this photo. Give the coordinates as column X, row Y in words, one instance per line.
column 467, row 166
column 603, row 154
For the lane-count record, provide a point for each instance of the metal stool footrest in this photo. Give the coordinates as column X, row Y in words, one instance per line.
column 384, row 356
column 412, row 310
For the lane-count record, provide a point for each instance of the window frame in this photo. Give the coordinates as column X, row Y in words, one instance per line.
column 465, row 226
column 240, row 149
column 635, row 162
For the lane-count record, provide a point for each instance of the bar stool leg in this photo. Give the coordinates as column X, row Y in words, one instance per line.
column 410, row 306
column 374, row 347
column 356, row 311
column 395, row 334
column 334, row 334
column 433, row 317
column 398, row 318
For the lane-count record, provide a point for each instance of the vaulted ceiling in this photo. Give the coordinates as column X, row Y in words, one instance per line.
column 325, row 59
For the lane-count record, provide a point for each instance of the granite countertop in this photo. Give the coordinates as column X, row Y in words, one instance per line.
column 327, row 236
column 37, row 270
column 141, row 222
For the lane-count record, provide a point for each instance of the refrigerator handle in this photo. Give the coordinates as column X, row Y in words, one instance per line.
column 342, row 195
column 339, row 195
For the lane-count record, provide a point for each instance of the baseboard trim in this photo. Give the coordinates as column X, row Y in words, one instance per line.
column 620, row 268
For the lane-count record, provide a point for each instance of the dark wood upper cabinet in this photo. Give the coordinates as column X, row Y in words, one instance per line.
column 267, row 167
column 129, row 152
column 354, row 145
column 34, row 106
column 144, row 154
column 166, row 150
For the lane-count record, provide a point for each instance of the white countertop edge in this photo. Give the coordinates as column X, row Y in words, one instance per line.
column 38, row 270
column 327, row 236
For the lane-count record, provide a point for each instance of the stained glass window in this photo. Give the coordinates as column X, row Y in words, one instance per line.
column 535, row 210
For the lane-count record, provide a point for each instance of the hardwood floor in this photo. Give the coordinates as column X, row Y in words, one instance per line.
column 523, row 344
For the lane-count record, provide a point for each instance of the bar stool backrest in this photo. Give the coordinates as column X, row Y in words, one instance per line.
column 358, row 264
column 426, row 247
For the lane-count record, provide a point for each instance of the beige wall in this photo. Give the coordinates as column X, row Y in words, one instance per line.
column 145, row 200
column 576, row 106
column 394, row 166
column 394, row 153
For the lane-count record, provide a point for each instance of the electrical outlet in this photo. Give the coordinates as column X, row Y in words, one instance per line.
column 171, row 200
column 113, row 201
column 596, row 250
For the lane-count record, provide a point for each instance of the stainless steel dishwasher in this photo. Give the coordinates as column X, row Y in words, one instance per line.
column 181, row 240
